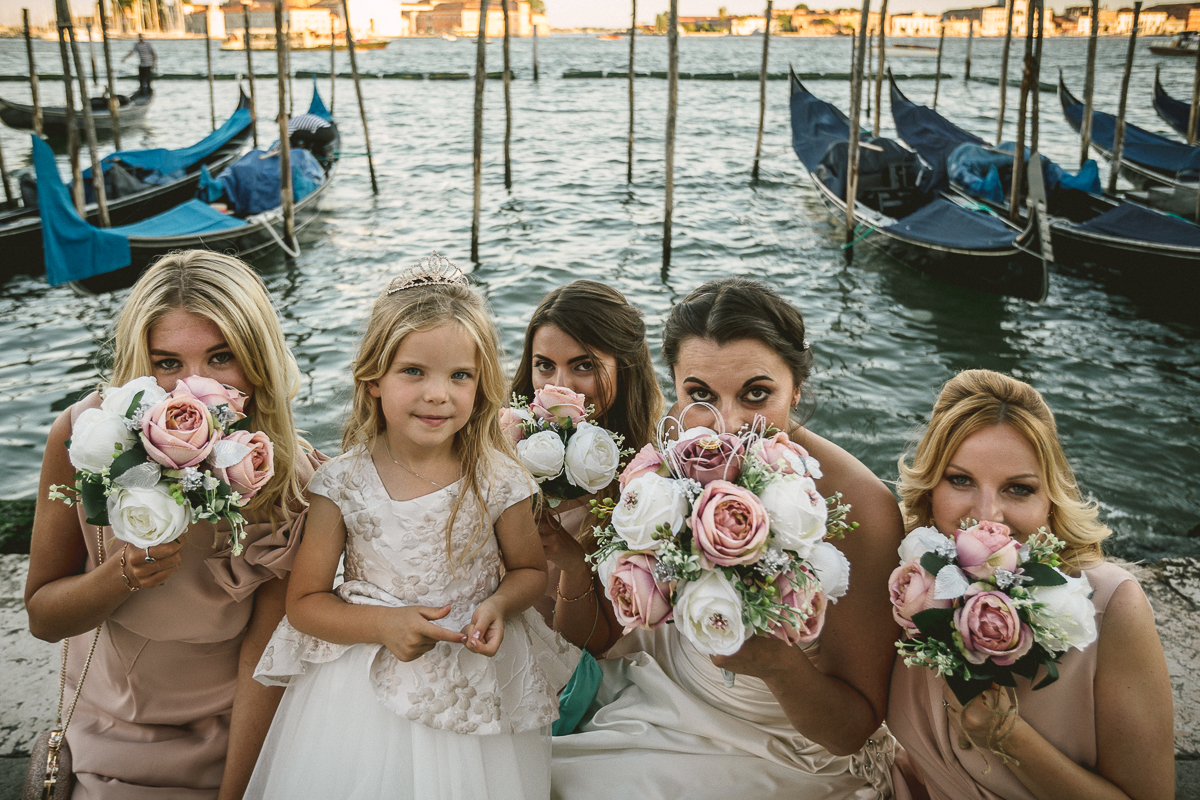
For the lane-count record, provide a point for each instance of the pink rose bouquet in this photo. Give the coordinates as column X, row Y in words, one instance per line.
column 981, row 608
column 729, row 525
column 639, row 600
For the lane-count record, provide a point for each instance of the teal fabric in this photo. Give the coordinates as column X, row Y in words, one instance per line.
column 578, row 694
column 186, row 219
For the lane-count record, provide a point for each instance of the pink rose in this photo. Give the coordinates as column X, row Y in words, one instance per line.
column 990, row 628
column 729, row 525
column 911, row 588
column 708, row 458
column 984, row 548
column 511, row 420
column 212, row 393
column 558, row 404
column 647, row 460
column 781, row 454
column 179, row 431
column 808, row 600
column 638, row 600
column 250, row 474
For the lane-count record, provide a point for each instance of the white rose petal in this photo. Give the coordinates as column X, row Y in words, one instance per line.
column 831, row 568
column 648, row 501
column 797, row 513
column 1068, row 618
column 592, row 458
column 605, row 569
column 95, row 438
column 708, row 612
column 146, row 517
column 144, row 476
column 117, row 399
column 918, row 542
column 542, row 454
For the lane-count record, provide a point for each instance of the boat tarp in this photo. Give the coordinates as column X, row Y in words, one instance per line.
column 945, row 224
column 73, row 248
column 186, row 219
column 816, row 125
column 165, row 162
column 1173, row 112
column 1138, row 222
column 252, row 182
column 317, row 106
column 926, row 131
column 986, row 172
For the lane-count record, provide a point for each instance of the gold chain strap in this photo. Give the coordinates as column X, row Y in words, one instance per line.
column 60, row 725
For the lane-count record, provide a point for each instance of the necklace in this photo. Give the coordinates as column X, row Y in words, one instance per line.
column 407, row 469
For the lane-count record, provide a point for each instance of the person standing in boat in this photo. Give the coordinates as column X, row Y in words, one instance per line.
column 147, row 63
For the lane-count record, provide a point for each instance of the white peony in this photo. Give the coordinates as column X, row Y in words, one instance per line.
column 646, row 502
column 542, row 454
column 96, row 437
column 117, row 399
column 920, row 541
column 605, row 569
column 832, row 569
column 146, row 517
column 708, row 613
column 1068, row 618
column 797, row 512
column 592, row 458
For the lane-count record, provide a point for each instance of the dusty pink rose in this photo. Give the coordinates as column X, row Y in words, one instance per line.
column 558, row 404
column 990, row 628
column 781, row 454
column 647, row 460
column 709, row 458
column 984, row 548
column 250, row 474
column 729, row 525
column 911, row 589
column 511, row 420
column 638, row 600
column 212, row 393
column 808, row 600
column 179, row 431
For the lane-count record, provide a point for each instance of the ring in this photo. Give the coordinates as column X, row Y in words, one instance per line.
column 945, row 705
column 149, row 558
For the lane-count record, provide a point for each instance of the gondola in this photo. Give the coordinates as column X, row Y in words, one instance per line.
column 130, row 112
column 961, row 245
column 99, row 260
column 1086, row 228
column 1173, row 112
column 21, row 229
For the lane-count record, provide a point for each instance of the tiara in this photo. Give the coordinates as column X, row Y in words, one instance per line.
column 434, row 270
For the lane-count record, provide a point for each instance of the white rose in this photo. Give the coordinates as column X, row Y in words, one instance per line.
column 146, row 517
column 605, row 569
column 648, row 501
column 117, row 399
column 542, row 454
column 920, row 541
column 831, row 568
column 708, row 613
column 797, row 512
column 592, row 458
column 1068, row 618
column 95, row 438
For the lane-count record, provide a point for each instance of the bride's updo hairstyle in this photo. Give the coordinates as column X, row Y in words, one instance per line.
column 978, row 399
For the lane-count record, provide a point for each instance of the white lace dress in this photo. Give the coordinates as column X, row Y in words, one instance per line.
column 355, row 722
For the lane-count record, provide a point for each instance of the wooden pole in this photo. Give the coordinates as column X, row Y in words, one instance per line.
column 860, row 63
column 287, row 55
column 879, row 69
column 507, row 104
column 1089, row 84
column 1008, row 26
column 212, row 100
column 629, row 154
column 33, row 76
column 1194, row 114
column 9, row 200
column 285, row 145
column 362, row 108
column 89, row 124
column 866, row 76
column 937, row 81
column 114, row 112
column 535, row 48
column 672, row 110
column 1035, row 89
column 1119, row 135
column 92, row 57
column 69, row 110
column 477, row 143
column 1018, row 172
column 970, row 40
column 332, row 61
column 762, row 93
column 250, row 73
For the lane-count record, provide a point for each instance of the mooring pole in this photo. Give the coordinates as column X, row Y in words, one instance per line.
column 1119, row 136
column 1089, row 84
column 362, row 108
column 212, row 100
column 332, row 60
column 535, row 50
column 1194, row 114
column 291, row 87
column 113, row 104
column 860, row 63
column 33, row 76
column 69, row 110
column 970, row 40
column 672, row 110
column 1008, row 26
column 1035, row 90
column 9, row 200
column 89, row 124
column 1018, row 174
column 285, row 145
column 250, row 73
column 92, row 57
column 507, row 104
column 762, row 93
column 477, row 141
column 879, row 69
column 867, row 68
column 629, row 154
column 937, row 81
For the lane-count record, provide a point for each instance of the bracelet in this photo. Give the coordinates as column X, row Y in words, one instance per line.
column 125, row 577
column 558, row 593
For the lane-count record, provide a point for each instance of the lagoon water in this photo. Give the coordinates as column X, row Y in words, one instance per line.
column 1122, row 375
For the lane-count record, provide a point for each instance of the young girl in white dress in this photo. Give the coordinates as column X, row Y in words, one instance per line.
column 426, row 674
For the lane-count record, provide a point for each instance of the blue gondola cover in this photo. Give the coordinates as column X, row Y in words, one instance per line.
column 945, row 224
column 1150, row 225
column 165, row 162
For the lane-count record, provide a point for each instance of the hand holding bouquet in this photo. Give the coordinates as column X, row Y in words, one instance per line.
column 150, row 463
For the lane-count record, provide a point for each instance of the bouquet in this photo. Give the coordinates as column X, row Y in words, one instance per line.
column 725, row 536
column 568, row 456
column 150, row 463
column 981, row 608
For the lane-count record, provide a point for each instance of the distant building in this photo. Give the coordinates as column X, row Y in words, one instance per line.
column 747, row 26
column 914, row 24
column 960, row 21
column 461, row 18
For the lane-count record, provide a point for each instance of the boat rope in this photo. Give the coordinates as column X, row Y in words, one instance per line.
column 294, row 251
column 869, row 231
column 982, row 207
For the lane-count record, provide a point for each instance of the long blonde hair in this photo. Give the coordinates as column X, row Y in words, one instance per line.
column 978, row 399
column 480, row 442
column 225, row 291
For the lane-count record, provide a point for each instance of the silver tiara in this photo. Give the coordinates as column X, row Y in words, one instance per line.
column 434, row 270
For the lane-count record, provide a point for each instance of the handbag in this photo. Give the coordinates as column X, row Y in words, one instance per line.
column 50, row 776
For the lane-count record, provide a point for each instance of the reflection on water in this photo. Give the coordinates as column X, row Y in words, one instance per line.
column 1120, row 375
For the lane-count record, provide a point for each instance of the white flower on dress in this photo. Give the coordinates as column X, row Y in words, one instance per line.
column 592, row 458
column 708, row 612
column 543, row 455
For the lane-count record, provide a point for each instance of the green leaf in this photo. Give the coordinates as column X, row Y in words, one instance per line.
column 936, row 622
column 134, row 403
column 967, row 690
column 125, row 462
column 242, row 424
column 1042, row 574
column 95, row 504
column 933, row 563
column 1051, row 675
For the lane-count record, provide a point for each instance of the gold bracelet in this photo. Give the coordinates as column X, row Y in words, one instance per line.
column 558, row 592
column 125, row 577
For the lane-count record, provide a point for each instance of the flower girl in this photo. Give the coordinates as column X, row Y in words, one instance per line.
column 426, row 674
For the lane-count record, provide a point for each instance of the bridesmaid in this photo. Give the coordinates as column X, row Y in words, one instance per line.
column 1104, row 730
column 797, row 723
column 170, row 708
column 586, row 337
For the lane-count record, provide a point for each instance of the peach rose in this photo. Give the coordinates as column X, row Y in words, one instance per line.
column 990, row 628
column 729, row 525
column 250, row 475
column 808, row 599
column 179, row 431
column 638, row 600
column 708, row 458
column 647, row 460
column 212, row 393
column 984, row 548
column 511, row 420
column 558, row 404
column 911, row 589
column 781, row 454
